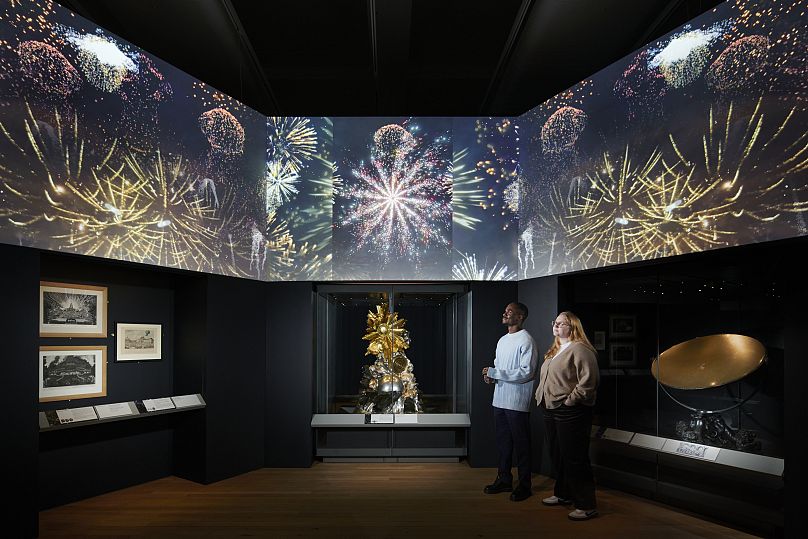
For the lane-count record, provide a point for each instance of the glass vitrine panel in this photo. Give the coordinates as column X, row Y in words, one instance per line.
column 438, row 323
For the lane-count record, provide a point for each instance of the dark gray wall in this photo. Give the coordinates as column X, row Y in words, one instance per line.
column 289, row 375
column 235, row 371
column 488, row 302
column 134, row 295
column 541, row 297
column 796, row 410
column 19, row 273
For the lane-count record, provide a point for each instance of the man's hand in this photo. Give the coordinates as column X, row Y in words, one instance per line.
column 486, row 378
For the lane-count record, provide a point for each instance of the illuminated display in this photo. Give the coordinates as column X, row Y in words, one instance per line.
column 695, row 142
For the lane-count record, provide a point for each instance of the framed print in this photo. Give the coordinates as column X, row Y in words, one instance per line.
column 599, row 340
column 72, row 310
column 139, row 342
column 72, row 372
column 622, row 354
column 622, row 325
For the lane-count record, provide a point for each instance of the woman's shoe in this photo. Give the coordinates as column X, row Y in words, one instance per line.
column 580, row 514
column 555, row 500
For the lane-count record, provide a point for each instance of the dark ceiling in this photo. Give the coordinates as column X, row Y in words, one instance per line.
column 390, row 57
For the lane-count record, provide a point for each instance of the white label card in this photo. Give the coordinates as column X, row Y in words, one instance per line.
column 687, row 449
column 406, row 418
column 184, row 401
column 117, row 409
column 381, row 418
column 153, row 405
column 74, row 415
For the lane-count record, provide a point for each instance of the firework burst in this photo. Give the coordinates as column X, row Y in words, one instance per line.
column 291, row 140
column 280, row 184
column 467, row 269
column 754, row 162
column 399, row 204
column 500, row 139
column 466, row 191
column 644, row 210
column 98, row 203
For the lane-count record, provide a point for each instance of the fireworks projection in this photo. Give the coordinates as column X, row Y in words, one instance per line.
column 101, row 59
column 299, row 187
column 742, row 65
column 223, row 131
column 562, row 129
column 397, row 205
column 290, row 140
column 467, row 193
column 682, row 59
column 47, row 71
column 468, row 270
column 86, row 165
column 280, row 184
column 641, row 87
column 696, row 142
column 485, row 196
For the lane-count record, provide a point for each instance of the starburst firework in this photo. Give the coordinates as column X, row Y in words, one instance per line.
column 467, row 269
column 399, row 203
column 291, row 140
column 280, row 184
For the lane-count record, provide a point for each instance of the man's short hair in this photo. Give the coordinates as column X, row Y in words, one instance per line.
column 522, row 307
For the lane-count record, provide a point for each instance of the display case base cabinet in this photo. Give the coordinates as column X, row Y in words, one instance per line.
column 345, row 437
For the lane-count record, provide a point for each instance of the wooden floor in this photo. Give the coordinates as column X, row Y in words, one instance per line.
column 360, row 500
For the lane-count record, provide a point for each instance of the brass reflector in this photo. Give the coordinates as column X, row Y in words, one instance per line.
column 710, row 361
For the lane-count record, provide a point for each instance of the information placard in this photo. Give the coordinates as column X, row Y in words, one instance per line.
column 74, row 415
column 117, row 409
column 153, row 405
column 184, row 401
column 688, row 449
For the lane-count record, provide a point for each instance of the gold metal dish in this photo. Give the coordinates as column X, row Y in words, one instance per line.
column 711, row 361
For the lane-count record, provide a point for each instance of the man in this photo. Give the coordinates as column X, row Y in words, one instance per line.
column 513, row 373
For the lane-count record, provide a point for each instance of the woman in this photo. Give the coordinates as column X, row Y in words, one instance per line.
column 568, row 382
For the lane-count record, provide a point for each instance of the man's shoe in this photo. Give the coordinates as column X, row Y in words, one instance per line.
column 555, row 500
column 498, row 486
column 521, row 493
column 580, row 514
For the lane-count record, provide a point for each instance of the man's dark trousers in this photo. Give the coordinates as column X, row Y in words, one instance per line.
column 513, row 435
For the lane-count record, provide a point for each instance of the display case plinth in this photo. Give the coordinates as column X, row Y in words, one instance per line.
column 431, row 437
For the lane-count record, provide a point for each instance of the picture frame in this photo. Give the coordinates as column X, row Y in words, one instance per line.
column 72, row 372
column 622, row 354
column 72, row 310
column 622, row 325
column 599, row 340
column 138, row 342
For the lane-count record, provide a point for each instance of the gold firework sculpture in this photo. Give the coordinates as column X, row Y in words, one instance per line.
column 388, row 385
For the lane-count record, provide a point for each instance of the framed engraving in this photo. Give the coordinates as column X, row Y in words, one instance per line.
column 139, row 342
column 72, row 372
column 622, row 325
column 622, row 354
column 599, row 340
column 72, row 310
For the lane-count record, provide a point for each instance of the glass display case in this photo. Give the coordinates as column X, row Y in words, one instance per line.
column 691, row 355
column 359, row 386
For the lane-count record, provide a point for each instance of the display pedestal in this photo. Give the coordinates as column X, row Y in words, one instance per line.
column 409, row 437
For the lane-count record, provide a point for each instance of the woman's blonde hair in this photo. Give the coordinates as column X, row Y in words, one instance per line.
column 577, row 334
